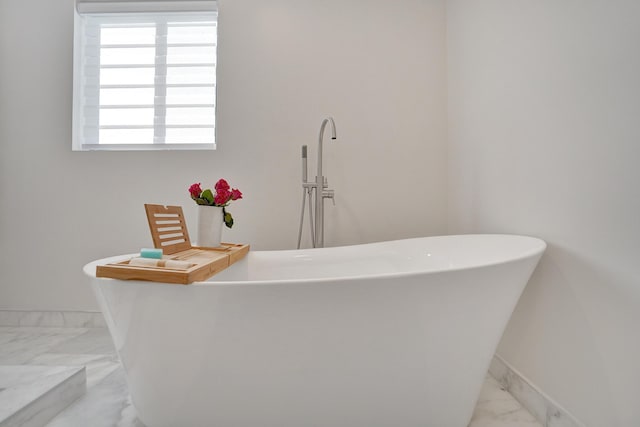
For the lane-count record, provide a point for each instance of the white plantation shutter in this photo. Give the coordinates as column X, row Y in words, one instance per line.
column 145, row 75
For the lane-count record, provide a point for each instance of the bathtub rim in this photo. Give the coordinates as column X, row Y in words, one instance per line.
column 537, row 250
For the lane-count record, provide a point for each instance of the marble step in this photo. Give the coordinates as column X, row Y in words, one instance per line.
column 30, row 396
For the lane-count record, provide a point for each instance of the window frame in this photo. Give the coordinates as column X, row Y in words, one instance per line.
column 108, row 13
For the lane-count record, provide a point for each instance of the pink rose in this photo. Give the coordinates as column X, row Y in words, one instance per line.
column 222, row 197
column 195, row 190
column 236, row 194
column 222, row 185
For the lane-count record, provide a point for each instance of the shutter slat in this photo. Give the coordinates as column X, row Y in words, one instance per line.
column 207, row 126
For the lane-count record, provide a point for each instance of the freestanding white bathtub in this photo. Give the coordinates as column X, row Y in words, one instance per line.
column 397, row 333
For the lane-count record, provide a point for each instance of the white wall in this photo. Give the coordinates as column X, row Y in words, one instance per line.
column 544, row 139
column 544, row 101
column 284, row 65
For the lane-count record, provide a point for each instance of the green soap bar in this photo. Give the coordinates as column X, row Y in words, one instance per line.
column 151, row 253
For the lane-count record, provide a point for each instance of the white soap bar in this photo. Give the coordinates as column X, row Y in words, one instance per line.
column 163, row 263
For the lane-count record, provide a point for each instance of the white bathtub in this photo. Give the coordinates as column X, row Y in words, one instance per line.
column 386, row 334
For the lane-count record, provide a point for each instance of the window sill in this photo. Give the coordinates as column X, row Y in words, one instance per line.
column 144, row 147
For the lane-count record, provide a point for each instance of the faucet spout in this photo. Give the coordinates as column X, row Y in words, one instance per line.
column 321, row 137
column 320, row 183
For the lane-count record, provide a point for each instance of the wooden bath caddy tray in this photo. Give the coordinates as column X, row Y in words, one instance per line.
column 169, row 233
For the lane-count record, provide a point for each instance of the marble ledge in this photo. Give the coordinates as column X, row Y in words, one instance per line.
column 32, row 395
column 52, row 319
column 543, row 408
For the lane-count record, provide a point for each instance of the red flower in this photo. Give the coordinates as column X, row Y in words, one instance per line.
column 222, row 197
column 236, row 194
column 222, row 185
column 195, row 190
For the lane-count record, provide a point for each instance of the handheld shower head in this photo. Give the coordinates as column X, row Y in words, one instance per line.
column 304, row 163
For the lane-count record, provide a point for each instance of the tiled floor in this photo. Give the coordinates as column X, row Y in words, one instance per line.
column 107, row 403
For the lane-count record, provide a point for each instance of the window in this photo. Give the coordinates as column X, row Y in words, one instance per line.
column 144, row 75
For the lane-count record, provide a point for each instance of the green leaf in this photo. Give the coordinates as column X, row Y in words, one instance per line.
column 228, row 219
column 208, row 196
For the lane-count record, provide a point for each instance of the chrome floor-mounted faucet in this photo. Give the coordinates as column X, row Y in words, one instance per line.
column 316, row 191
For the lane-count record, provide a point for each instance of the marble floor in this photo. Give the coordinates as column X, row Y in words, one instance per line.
column 106, row 402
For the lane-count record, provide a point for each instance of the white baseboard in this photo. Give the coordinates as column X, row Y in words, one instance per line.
column 52, row 319
column 543, row 408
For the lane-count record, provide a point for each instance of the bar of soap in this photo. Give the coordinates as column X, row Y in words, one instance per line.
column 151, row 253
